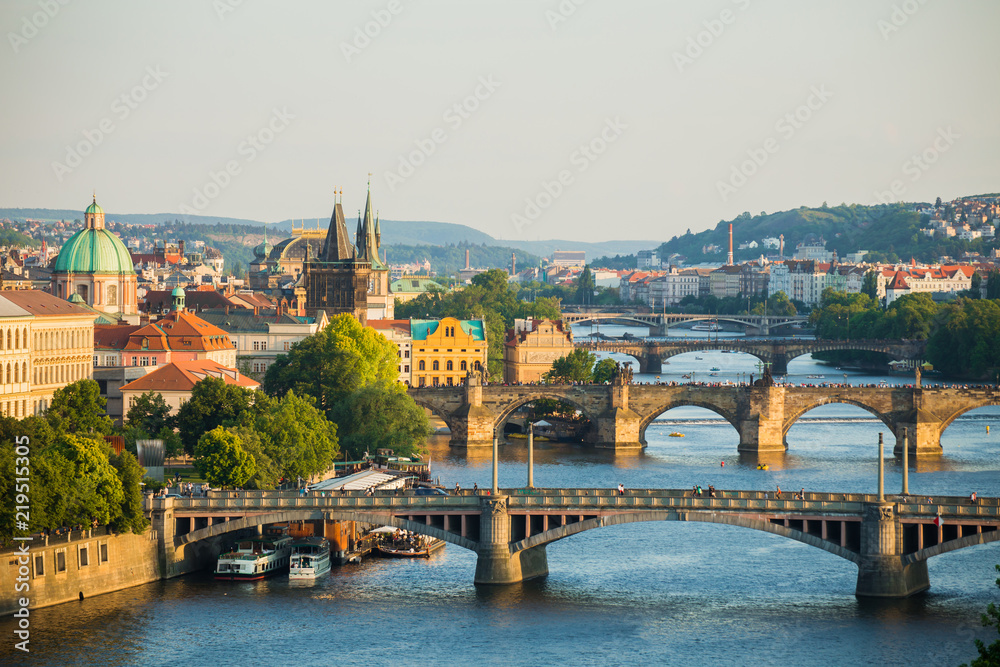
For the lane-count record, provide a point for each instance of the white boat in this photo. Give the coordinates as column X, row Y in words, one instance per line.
column 255, row 558
column 710, row 326
column 816, row 377
column 310, row 558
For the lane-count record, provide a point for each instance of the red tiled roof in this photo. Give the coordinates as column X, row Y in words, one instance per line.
column 113, row 336
column 181, row 331
column 42, row 304
column 183, row 375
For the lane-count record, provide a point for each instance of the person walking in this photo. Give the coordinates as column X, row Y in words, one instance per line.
column 778, row 494
column 621, row 489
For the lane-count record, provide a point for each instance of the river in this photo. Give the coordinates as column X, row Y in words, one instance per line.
column 644, row 593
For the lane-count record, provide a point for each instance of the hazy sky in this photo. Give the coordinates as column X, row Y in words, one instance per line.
column 586, row 120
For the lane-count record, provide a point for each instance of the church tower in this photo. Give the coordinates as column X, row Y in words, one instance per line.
column 337, row 281
column 369, row 242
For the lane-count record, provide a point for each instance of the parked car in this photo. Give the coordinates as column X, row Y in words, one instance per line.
column 428, row 491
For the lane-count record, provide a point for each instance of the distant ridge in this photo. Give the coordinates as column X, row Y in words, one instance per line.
column 394, row 232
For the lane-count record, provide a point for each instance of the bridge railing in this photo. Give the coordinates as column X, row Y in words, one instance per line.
column 239, row 503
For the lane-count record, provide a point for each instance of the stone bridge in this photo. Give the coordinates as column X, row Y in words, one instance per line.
column 889, row 540
column 775, row 353
column 659, row 324
column 620, row 413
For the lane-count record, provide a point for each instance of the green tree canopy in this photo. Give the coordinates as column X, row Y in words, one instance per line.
column 213, row 403
column 79, row 408
column 297, row 436
column 372, row 419
column 989, row 656
column 333, row 363
column 94, row 490
column 149, row 412
column 221, row 459
column 604, row 370
column 577, row 366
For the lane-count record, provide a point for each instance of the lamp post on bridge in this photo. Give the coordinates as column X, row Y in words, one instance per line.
column 496, row 443
column 531, row 455
column 881, row 470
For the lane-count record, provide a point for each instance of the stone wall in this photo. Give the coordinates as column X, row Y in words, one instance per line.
column 83, row 566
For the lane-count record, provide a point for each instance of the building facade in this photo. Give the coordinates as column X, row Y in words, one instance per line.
column 45, row 344
column 445, row 350
column 398, row 333
column 531, row 347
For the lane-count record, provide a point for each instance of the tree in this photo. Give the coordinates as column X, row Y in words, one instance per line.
column 95, row 490
column 298, row 437
column 221, row 459
column 131, row 509
column 577, row 366
column 370, row 419
column 149, row 412
column 993, row 284
column 585, row 287
column 213, row 403
column 333, row 363
column 79, row 408
column 989, row 656
column 604, row 370
column 267, row 472
column 870, row 285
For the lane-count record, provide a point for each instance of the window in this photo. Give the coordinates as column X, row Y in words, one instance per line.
column 40, row 565
column 406, row 368
column 449, row 381
column 449, row 366
column 143, row 361
column 423, row 382
column 135, row 361
column 437, row 382
column 84, row 556
column 464, row 366
column 288, row 346
column 406, row 354
column 61, row 561
column 435, row 366
column 104, row 552
column 421, row 366
column 95, row 361
column 154, row 361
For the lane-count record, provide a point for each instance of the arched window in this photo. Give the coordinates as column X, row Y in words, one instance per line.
column 17, row 374
column 17, row 339
column 421, row 366
column 435, row 366
column 449, row 366
column 24, row 371
column 464, row 366
column 478, row 366
column 24, row 337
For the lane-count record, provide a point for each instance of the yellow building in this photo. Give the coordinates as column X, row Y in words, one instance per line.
column 531, row 347
column 45, row 344
column 445, row 350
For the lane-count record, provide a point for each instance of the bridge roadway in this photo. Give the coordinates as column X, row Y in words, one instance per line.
column 660, row 323
column 619, row 413
column 775, row 353
column 890, row 540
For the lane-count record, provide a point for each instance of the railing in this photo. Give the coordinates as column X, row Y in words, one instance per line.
column 591, row 499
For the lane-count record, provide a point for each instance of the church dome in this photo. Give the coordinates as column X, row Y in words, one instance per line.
column 263, row 250
column 94, row 249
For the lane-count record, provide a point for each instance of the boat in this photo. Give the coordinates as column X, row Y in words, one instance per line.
column 715, row 368
column 710, row 326
column 713, row 375
column 686, row 377
column 816, row 377
column 698, row 359
column 408, row 546
column 255, row 558
column 675, row 434
column 310, row 558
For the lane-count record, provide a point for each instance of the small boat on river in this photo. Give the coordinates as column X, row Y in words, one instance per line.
column 408, row 546
column 310, row 558
column 255, row 558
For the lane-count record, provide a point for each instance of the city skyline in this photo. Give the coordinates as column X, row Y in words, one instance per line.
column 524, row 121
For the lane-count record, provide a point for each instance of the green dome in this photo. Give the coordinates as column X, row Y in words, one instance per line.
column 94, row 208
column 177, row 292
column 94, row 251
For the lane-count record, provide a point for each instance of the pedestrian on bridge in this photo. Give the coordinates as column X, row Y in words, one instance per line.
column 778, row 494
column 621, row 489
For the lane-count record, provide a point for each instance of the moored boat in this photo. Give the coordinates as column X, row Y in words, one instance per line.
column 310, row 558
column 412, row 546
column 255, row 558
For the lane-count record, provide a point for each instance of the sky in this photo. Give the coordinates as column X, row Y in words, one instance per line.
column 559, row 119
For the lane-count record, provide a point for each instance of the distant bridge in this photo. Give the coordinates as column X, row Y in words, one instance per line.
column 659, row 323
column 890, row 541
column 775, row 353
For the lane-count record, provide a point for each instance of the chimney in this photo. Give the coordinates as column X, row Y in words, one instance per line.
column 729, row 260
column 513, row 265
column 180, row 245
column 466, row 258
column 781, row 246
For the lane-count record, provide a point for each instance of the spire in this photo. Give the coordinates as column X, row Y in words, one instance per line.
column 337, row 246
column 368, row 238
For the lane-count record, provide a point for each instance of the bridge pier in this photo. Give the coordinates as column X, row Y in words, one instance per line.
column 882, row 572
column 779, row 364
column 495, row 564
column 473, row 423
column 761, row 414
column 650, row 363
column 618, row 427
column 922, row 431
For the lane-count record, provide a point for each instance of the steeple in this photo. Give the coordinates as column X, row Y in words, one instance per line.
column 337, row 246
column 369, row 234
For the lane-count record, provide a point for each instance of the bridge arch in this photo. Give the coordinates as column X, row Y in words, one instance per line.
column 836, row 398
column 434, row 409
column 945, row 423
column 952, row 545
column 562, row 532
column 510, row 408
column 255, row 520
column 680, row 402
column 608, row 318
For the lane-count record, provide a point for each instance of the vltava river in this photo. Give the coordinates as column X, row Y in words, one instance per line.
column 638, row 594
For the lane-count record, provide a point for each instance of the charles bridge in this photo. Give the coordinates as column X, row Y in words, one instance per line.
column 889, row 538
column 620, row 412
column 776, row 353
